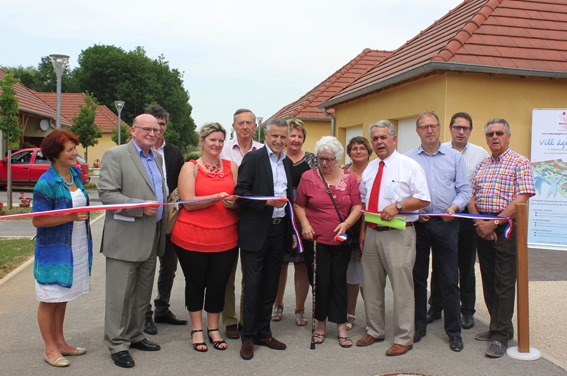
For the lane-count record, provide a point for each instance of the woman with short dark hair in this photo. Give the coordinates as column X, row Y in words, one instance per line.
column 63, row 252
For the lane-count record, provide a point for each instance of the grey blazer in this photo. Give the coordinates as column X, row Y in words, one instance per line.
column 123, row 179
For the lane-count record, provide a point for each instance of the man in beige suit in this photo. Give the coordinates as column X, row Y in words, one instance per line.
column 132, row 238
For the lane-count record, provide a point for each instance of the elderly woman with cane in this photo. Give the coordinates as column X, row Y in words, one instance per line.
column 328, row 204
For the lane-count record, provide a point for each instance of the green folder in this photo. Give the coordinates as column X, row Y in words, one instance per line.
column 397, row 222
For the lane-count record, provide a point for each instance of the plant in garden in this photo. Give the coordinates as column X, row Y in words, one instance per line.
column 24, row 200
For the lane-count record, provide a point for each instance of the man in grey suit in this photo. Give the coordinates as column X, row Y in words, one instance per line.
column 132, row 238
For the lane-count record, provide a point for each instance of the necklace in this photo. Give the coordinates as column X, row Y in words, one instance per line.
column 212, row 168
column 67, row 183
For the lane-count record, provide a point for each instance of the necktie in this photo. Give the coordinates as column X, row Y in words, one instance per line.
column 375, row 192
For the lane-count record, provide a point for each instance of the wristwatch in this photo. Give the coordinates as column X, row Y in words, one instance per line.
column 399, row 206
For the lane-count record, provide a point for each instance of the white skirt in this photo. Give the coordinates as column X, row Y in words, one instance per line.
column 81, row 278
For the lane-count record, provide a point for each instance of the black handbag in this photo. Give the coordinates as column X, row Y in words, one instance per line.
column 352, row 238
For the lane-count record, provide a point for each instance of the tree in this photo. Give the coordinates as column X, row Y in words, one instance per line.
column 43, row 78
column 124, row 135
column 111, row 73
column 9, row 110
column 84, row 125
column 9, row 124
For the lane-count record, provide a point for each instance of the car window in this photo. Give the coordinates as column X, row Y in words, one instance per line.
column 22, row 158
column 41, row 159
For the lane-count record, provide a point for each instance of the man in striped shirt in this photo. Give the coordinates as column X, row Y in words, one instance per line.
column 500, row 182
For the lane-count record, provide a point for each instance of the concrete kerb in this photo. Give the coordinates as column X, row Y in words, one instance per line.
column 15, row 272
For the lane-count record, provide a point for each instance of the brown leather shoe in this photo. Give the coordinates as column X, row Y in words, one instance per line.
column 232, row 331
column 247, row 350
column 397, row 349
column 271, row 342
column 367, row 340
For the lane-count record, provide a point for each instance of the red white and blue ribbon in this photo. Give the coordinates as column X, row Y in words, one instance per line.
column 136, row 205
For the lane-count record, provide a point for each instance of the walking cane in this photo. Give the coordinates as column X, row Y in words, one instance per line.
column 314, row 291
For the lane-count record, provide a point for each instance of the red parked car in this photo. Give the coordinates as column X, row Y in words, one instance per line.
column 29, row 164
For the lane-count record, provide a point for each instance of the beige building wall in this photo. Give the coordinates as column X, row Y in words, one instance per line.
column 96, row 152
column 483, row 96
column 315, row 130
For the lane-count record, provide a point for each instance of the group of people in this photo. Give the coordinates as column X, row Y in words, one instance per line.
column 239, row 200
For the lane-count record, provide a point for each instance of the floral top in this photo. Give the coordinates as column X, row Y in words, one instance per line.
column 319, row 209
column 53, row 262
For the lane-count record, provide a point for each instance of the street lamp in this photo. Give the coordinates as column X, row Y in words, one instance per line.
column 59, row 62
column 259, row 126
column 119, row 105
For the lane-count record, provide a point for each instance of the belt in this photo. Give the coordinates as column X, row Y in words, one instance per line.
column 386, row 228
column 277, row 221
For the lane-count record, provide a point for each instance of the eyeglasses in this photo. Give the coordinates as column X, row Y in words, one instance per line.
column 497, row 133
column 427, row 126
column 459, row 128
column 149, row 130
column 323, row 159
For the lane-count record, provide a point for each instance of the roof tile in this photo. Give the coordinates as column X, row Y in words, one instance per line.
column 306, row 106
column 515, row 34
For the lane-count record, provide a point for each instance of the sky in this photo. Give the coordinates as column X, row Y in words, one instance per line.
column 260, row 55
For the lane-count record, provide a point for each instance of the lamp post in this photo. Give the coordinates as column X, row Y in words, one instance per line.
column 59, row 62
column 259, row 126
column 119, row 105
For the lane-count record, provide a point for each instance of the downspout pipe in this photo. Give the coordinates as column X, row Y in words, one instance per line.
column 332, row 117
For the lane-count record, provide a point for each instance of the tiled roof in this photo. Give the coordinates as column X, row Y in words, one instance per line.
column 70, row 107
column 519, row 37
column 306, row 106
column 31, row 103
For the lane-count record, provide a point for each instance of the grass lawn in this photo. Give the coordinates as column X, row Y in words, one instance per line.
column 16, row 210
column 13, row 253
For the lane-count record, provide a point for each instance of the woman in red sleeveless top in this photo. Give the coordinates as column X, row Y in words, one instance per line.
column 206, row 234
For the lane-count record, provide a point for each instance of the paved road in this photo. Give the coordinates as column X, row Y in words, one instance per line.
column 21, row 345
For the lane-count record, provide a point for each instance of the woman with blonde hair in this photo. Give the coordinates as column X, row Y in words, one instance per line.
column 206, row 234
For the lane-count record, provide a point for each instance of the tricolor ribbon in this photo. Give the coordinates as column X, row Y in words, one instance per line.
column 399, row 222
column 136, row 205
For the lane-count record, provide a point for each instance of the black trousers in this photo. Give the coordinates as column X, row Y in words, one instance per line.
column 331, row 288
column 440, row 238
column 498, row 270
column 205, row 271
column 261, row 277
column 467, row 279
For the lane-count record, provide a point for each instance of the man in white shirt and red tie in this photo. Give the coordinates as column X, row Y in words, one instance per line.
column 391, row 184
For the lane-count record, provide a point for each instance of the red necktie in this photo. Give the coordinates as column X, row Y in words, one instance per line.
column 375, row 192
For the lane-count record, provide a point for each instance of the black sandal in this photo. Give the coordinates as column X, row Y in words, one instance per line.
column 197, row 345
column 216, row 344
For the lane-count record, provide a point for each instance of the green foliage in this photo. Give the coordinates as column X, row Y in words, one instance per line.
column 43, row 78
column 111, row 73
column 193, row 155
column 9, row 110
column 124, row 136
column 84, row 124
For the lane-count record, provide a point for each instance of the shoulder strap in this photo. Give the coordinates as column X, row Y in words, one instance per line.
column 330, row 195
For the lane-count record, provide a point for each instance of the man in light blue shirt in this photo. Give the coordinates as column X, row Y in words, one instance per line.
column 460, row 127
column 450, row 192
